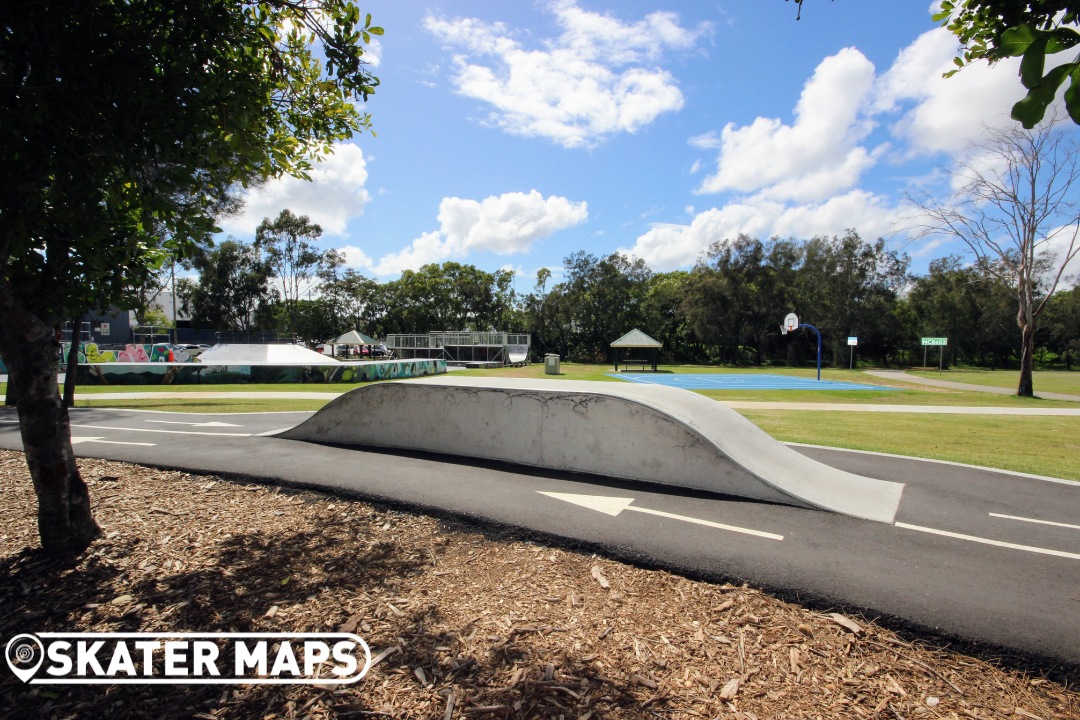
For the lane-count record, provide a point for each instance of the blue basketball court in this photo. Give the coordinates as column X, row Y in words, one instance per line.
column 734, row 381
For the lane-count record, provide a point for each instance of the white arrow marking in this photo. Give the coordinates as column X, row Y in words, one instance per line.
column 615, row 505
column 197, row 424
column 76, row 440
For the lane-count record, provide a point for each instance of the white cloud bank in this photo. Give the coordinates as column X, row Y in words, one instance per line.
column 803, row 179
column 597, row 78
column 335, row 195
column 506, row 224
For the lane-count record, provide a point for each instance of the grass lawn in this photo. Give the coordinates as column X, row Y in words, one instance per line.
column 1060, row 381
column 1039, row 445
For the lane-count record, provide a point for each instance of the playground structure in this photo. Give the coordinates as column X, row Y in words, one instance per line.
column 466, row 348
column 630, row 431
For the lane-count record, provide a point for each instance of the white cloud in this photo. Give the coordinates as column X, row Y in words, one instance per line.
column 670, row 246
column 354, row 256
column 597, row 78
column 815, row 157
column 803, row 179
column 505, row 224
column 945, row 114
column 335, row 195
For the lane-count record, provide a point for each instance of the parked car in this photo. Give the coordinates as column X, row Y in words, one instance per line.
column 379, row 351
column 192, row 349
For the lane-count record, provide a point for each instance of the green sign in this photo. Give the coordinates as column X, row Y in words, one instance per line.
column 935, row 341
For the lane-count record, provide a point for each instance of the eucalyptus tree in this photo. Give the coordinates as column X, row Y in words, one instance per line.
column 1016, row 209
column 289, row 245
column 123, row 125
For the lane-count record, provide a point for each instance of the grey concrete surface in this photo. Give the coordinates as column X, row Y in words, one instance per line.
column 628, row 431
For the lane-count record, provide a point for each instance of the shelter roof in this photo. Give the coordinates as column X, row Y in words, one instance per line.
column 637, row 339
column 354, row 337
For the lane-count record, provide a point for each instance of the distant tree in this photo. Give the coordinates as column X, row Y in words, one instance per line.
column 995, row 29
column 356, row 298
column 232, row 288
column 599, row 300
column 319, row 320
column 122, row 126
column 664, row 319
column 1061, row 322
column 847, row 287
column 1017, row 210
column 288, row 243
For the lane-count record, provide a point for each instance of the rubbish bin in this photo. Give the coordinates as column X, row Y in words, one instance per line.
column 551, row 364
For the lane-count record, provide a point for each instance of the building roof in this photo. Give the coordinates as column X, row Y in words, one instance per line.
column 636, row 339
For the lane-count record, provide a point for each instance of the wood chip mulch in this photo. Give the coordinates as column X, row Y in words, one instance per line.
column 462, row 626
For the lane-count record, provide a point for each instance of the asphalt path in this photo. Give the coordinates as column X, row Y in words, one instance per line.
column 988, row 558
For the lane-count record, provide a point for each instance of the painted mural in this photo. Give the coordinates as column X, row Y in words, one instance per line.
column 158, row 352
column 189, row 373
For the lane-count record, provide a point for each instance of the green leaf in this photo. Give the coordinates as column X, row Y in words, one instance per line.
column 1031, row 110
column 1061, row 39
column 1072, row 94
column 1016, row 40
column 1032, row 64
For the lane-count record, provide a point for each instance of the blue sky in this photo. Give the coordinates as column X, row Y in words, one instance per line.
column 510, row 134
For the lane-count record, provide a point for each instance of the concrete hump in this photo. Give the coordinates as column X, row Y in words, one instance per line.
column 630, row 431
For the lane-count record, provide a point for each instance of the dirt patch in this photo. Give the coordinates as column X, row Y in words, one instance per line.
column 463, row 626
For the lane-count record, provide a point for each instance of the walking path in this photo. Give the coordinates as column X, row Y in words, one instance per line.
column 905, row 377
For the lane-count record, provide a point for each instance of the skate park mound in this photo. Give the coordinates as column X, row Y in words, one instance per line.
column 644, row 433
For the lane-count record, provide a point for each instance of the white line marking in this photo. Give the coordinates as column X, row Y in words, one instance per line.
column 77, row 440
column 986, row 541
column 708, row 523
column 170, row 432
column 1033, row 520
column 211, row 423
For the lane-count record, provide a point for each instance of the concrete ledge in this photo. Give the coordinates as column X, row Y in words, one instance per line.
column 630, row 431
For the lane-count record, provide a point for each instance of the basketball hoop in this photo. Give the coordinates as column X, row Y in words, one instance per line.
column 791, row 322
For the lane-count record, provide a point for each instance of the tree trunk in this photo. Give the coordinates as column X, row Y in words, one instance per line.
column 71, row 364
column 32, row 352
column 1027, row 360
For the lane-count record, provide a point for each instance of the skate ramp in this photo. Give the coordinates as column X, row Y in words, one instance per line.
column 630, row 431
column 277, row 354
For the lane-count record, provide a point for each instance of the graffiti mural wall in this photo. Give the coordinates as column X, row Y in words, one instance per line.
column 193, row 373
column 158, row 352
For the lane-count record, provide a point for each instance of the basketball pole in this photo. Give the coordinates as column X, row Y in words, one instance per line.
column 806, row 325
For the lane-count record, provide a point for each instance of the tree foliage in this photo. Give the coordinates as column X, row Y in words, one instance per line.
column 233, row 289
column 124, row 125
column 1033, row 30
